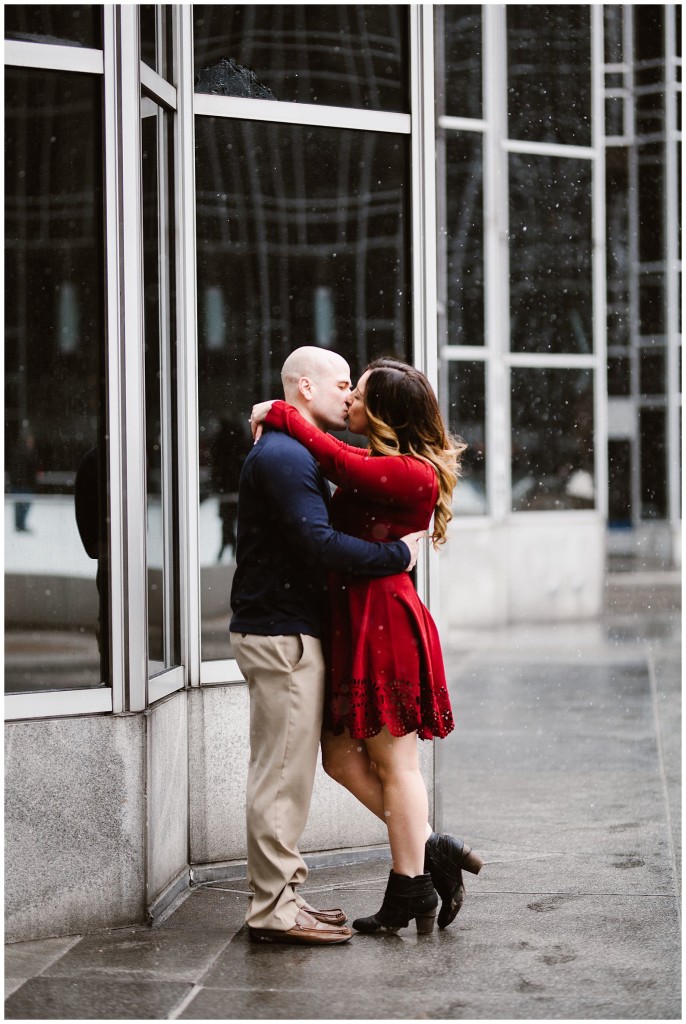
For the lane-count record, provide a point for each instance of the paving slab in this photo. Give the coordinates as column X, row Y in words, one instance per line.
column 94, row 999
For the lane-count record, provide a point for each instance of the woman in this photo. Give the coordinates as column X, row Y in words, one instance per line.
column 386, row 682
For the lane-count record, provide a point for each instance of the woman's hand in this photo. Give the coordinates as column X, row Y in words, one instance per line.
column 412, row 541
column 257, row 416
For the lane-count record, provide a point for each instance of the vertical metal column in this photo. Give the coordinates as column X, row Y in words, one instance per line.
column 132, row 367
column 189, row 460
column 599, row 259
column 496, row 261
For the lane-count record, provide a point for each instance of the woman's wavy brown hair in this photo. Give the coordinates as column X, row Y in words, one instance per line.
column 404, row 419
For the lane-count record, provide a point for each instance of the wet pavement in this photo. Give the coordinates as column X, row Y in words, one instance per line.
column 563, row 772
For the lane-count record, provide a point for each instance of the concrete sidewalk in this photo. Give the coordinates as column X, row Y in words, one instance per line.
column 563, row 772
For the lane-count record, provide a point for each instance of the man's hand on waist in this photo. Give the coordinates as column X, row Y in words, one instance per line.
column 411, row 541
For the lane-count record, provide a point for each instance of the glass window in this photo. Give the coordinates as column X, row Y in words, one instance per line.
column 651, row 192
column 459, row 50
column 549, row 73
column 654, row 476
column 158, row 277
column 619, row 459
column 467, row 419
column 614, row 116
column 301, row 239
column 619, row 376
column 613, row 16
column 552, row 439
column 653, row 370
column 617, row 234
column 551, row 286
column 335, row 54
column 63, row 24
column 651, row 303
column 56, row 500
column 156, row 40
column 464, row 259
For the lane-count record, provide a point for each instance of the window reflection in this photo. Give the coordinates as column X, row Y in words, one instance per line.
column 65, row 24
column 467, row 419
column 335, row 54
column 549, row 73
column 464, row 259
column 55, row 367
column 551, row 286
column 301, row 240
column 458, row 60
column 552, row 439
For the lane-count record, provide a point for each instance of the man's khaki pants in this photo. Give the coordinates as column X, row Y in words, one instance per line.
column 285, row 676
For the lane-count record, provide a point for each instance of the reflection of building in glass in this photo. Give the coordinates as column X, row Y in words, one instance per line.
column 244, row 180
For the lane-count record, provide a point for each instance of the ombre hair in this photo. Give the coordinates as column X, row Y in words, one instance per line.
column 404, row 419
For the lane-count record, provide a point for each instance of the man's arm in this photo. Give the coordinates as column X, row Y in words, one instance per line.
column 292, row 486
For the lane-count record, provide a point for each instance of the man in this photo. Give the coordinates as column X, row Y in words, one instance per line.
column 285, row 547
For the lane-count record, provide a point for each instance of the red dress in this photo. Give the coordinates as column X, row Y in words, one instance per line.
column 385, row 666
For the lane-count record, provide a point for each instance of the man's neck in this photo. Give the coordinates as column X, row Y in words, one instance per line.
column 306, row 414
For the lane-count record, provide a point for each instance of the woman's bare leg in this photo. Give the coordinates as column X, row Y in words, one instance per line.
column 347, row 761
column 405, row 803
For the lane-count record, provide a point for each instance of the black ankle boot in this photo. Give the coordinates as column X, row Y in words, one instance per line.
column 444, row 859
column 405, row 898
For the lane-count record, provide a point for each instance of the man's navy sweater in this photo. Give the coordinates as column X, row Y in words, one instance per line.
column 286, row 543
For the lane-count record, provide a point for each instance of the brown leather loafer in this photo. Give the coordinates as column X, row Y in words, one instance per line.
column 335, row 916
column 321, row 935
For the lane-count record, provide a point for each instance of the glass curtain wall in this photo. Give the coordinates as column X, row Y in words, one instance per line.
column 302, row 228
column 643, row 91
column 517, row 79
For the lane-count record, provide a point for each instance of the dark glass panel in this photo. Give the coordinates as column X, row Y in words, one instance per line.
column 552, row 439
column 652, row 370
column 459, row 52
column 649, row 31
column 551, row 286
column 549, row 73
column 335, row 54
column 619, row 484
column 653, row 442
column 301, row 240
column 55, row 376
column 652, row 306
column 651, row 237
column 617, row 235
column 619, row 376
column 156, row 39
column 464, row 241
column 614, row 116
column 467, row 419
column 64, row 24
column 650, row 113
column 613, row 15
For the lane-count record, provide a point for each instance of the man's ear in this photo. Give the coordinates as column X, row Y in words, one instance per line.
column 305, row 388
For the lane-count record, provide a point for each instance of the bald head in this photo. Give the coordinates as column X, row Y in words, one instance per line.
column 317, row 383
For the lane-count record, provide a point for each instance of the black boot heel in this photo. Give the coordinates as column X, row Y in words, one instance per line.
column 444, row 859
column 425, row 923
column 404, row 899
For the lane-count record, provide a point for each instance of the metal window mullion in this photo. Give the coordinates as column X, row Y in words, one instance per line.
column 496, row 263
column 114, row 411
column 238, row 107
column 424, row 234
column 166, row 405
column 186, row 348
column 135, row 559
column 599, row 257
column 53, row 57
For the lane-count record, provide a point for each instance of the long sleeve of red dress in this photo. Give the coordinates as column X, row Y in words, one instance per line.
column 392, row 479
